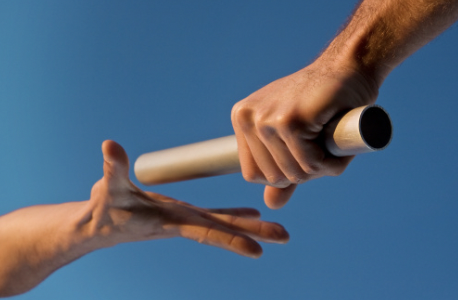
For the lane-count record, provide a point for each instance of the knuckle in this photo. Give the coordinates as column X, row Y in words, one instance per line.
column 297, row 178
column 235, row 111
column 260, row 119
column 312, row 168
column 241, row 115
column 270, row 125
column 284, row 121
column 277, row 180
column 251, row 176
column 288, row 125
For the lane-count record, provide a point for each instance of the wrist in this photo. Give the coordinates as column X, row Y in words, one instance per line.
column 349, row 77
column 89, row 229
column 366, row 44
column 346, row 58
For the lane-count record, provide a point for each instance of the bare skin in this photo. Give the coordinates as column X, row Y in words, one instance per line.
column 277, row 127
column 35, row 241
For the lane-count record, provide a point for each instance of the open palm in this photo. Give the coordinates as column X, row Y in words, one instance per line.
column 124, row 213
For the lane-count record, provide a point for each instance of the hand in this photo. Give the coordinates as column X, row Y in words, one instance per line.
column 121, row 212
column 277, row 127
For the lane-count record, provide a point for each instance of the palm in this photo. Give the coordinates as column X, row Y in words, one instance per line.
column 137, row 215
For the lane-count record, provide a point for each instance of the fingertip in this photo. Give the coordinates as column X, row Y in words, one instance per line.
column 116, row 160
column 247, row 247
column 276, row 198
column 283, row 236
column 273, row 204
column 277, row 234
column 112, row 151
column 257, row 255
column 255, row 252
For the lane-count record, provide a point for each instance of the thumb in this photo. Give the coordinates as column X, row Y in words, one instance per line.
column 116, row 162
column 276, row 198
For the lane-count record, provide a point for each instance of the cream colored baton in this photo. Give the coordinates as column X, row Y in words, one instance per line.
column 361, row 130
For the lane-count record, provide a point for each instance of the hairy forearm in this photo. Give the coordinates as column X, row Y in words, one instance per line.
column 35, row 241
column 381, row 34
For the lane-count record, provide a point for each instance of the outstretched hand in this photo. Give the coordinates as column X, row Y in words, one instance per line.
column 117, row 212
column 121, row 212
column 278, row 127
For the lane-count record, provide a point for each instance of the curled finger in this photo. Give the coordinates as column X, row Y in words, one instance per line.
column 283, row 157
column 276, row 198
column 272, row 174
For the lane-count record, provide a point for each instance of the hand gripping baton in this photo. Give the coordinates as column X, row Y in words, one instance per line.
column 361, row 130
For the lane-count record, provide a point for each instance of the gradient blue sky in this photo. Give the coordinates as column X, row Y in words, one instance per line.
column 157, row 74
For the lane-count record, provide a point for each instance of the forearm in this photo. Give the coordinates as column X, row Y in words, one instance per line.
column 381, row 34
column 35, row 241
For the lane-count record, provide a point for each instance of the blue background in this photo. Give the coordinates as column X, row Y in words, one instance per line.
column 158, row 74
